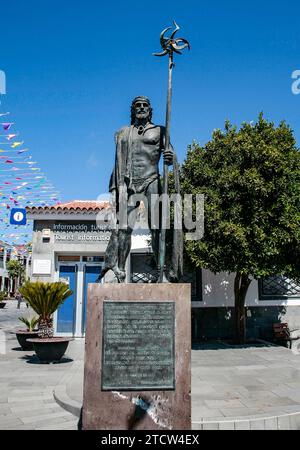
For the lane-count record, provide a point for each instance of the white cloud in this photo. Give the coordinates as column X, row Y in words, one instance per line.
column 92, row 161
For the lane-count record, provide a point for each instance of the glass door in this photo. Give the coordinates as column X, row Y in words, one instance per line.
column 66, row 314
column 90, row 275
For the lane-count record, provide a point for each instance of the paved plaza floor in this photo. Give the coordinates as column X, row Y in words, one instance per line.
column 252, row 387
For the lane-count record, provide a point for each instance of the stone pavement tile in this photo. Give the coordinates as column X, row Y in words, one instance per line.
column 214, row 380
column 295, row 398
column 197, row 426
column 5, row 378
column 224, row 404
column 202, row 412
column 4, row 409
column 198, row 402
column 259, row 394
column 35, row 413
column 271, row 424
column 288, row 365
column 28, row 393
column 284, row 423
column 20, row 399
column 47, row 416
column 70, row 425
column 276, row 380
column 226, row 425
column 17, row 409
column 240, row 412
column 243, row 425
column 20, row 427
column 294, row 422
column 49, row 401
column 291, row 409
column 210, row 426
column 270, row 356
column 23, row 383
column 199, row 389
column 294, row 385
column 241, row 390
column 221, row 383
column 245, row 377
column 10, row 421
column 246, row 380
column 275, row 411
column 214, row 395
column 257, row 424
column 251, row 367
column 207, row 369
column 232, row 391
column 258, row 387
column 284, row 391
column 268, row 402
column 48, row 423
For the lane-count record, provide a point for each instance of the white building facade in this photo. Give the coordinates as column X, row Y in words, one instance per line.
column 4, row 258
column 69, row 244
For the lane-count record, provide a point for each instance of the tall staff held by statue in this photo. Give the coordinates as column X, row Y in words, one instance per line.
column 169, row 45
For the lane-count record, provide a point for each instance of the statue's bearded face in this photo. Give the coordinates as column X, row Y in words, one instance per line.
column 142, row 110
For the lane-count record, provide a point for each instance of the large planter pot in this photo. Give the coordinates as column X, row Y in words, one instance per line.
column 22, row 337
column 2, row 305
column 51, row 349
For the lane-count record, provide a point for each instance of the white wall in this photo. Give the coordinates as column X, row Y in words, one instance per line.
column 218, row 291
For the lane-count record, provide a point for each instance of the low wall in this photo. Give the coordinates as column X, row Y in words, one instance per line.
column 218, row 323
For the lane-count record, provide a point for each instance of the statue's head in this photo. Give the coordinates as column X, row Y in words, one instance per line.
column 141, row 109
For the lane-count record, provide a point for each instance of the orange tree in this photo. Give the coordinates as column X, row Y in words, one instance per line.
column 251, row 182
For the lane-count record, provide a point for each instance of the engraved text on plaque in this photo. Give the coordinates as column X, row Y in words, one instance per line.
column 138, row 346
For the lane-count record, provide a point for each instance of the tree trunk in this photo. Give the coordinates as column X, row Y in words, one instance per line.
column 15, row 285
column 241, row 285
column 46, row 329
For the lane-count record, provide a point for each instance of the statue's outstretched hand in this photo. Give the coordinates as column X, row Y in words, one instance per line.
column 168, row 156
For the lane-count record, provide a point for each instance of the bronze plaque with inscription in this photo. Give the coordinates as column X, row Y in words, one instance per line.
column 138, row 346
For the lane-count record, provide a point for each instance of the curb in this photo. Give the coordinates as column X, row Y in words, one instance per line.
column 64, row 401
column 289, row 421
column 61, row 396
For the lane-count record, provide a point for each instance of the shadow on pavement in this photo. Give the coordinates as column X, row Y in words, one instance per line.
column 18, row 349
column 217, row 345
column 33, row 359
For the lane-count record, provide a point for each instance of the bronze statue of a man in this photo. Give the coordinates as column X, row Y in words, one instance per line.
column 138, row 152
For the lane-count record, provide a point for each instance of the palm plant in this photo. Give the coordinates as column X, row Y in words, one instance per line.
column 30, row 323
column 44, row 299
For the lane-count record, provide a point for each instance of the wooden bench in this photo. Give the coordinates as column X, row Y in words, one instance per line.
column 282, row 333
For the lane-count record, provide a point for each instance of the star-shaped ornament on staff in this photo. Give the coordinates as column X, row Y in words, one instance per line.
column 170, row 45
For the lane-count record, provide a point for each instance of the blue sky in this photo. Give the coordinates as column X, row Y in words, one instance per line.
column 73, row 68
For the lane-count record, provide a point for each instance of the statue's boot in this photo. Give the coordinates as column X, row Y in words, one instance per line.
column 102, row 274
column 120, row 274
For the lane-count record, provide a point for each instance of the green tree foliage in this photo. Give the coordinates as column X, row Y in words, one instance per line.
column 44, row 299
column 16, row 271
column 3, row 295
column 251, row 182
column 15, row 268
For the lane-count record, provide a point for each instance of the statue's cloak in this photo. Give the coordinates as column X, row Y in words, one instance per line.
column 121, row 175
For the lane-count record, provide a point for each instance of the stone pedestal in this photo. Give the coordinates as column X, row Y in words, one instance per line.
column 137, row 373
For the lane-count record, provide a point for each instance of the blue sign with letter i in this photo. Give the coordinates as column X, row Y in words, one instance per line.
column 18, row 216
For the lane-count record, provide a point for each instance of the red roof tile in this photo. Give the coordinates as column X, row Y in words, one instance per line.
column 75, row 205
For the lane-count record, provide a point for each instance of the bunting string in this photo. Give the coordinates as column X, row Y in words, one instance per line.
column 22, row 182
